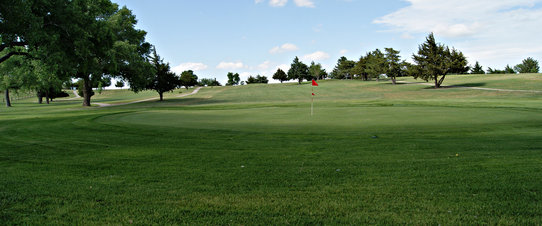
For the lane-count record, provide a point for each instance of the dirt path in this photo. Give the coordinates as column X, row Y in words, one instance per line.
column 145, row 100
column 477, row 88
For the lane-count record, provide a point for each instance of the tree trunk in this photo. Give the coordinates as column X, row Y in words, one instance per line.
column 87, row 90
column 8, row 101
column 40, row 98
column 299, row 80
column 47, row 96
column 393, row 80
column 161, row 96
column 436, row 82
column 441, row 80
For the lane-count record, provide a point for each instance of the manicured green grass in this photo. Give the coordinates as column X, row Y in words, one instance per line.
column 373, row 153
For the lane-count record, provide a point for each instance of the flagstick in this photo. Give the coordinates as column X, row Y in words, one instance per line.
column 312, row 102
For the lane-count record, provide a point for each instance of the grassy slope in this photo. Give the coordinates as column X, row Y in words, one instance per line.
column 253, row 155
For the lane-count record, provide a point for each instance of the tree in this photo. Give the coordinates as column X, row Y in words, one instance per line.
column 208, row 82
column 435, row 60
column 343, row 69
column 119, row 84
column 89, row 40
column 233, row 79
column 477, row 69
column 257, row 79
column 494, row 71
column 375, row 64
column 163, row 80
column 360, row 67
column 298, row 70
column 458, row 62
column 188, row 78
column 316, row 71
column 528, row 65
column 393, row 64
column 280, row 75
column 509, row 70
column 9, row 76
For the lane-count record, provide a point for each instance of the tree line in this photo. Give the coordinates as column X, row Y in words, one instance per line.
column 45, row 44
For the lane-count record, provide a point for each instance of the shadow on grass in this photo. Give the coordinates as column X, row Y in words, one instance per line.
column 458, row 86
column 178, row 102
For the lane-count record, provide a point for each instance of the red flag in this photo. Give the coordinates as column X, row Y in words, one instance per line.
column 313, row 94
column 314, row 83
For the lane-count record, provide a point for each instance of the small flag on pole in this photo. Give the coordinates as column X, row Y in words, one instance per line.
column 314, row 83
column 313, row 94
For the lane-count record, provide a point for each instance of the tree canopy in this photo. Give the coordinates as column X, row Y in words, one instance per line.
column 528, row 65
column 162, row 80
column 280, row 75
column 477, row 69
column 434, row 61
column 233, row 79
column 298, row 71
column 188, row 78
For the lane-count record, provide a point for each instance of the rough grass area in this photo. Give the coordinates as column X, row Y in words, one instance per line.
column 373, row 153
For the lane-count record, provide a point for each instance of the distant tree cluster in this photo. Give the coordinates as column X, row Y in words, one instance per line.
column 257, row 79
column 528, row 65
column 208, row 82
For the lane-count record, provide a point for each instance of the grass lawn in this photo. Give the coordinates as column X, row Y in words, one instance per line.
column 373, row 153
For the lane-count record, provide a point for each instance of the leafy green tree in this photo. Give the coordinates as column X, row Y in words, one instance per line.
column 208, row 82
column 119, row 84
column 316, row 71
column 280, row 75
column 495, row 71
column 528, row 65
column 10, row 79
column 298, row 71
column 458, row 62
column 188, row 78
column 360, row 68
column 89, row 40
column 163, row 79
column 257, row 79
column 394, row 67
column 509, row 70
column 477, row 69
column 435, row 60
column 343, row 69
column 233, row 79
column 375, row 64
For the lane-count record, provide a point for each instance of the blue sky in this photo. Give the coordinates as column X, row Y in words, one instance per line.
column 250, row 37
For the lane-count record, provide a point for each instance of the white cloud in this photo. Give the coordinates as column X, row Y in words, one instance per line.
column 343, row 51
column 497, row 31
column 265, row 65
column 318, row 55
column 304, row 3
column 189, row 66
column 278, row 3
column 281, row 3
column 230, row 65
column 287, row 47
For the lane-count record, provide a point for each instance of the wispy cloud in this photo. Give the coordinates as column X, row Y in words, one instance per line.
column 230, row 65
column 318, row 55
column 281, row 3
column 189, row 66
column 277, row 3
column 287, row 47
column 480, row 28
column 304, row 3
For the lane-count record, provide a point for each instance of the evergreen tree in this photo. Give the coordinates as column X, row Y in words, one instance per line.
column 393, row 64
column 434, row 61
column 477, row 69
column 528, row 65
column 163, row 80
column 298, row 70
